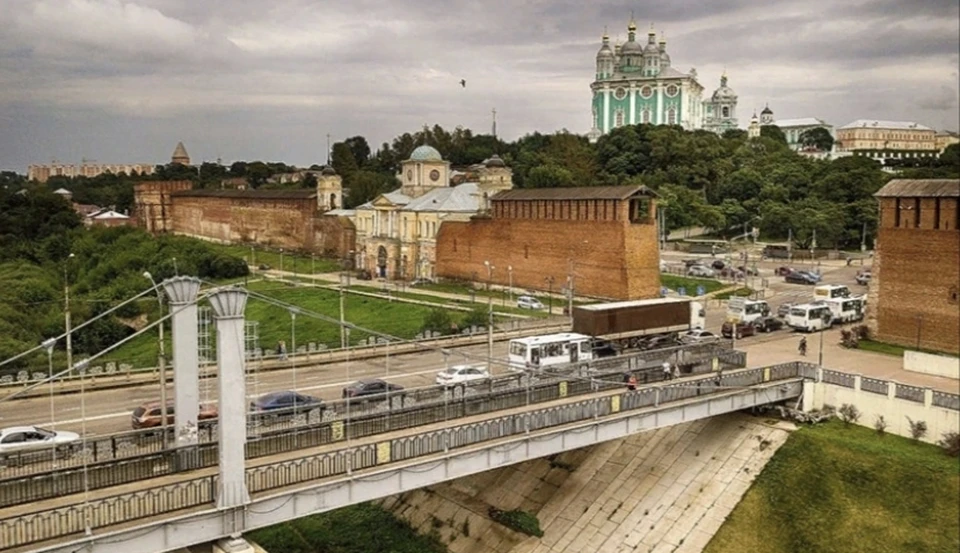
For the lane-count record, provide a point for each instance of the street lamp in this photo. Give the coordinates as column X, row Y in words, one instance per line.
column 509, row 283
column 490, row 268
column 161, row 360
column 176, row 271
column 549, row 281
column 281, row 261
column 66, row 314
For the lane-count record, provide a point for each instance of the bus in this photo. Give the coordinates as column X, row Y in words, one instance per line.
column 776, row 251
column 847, row 310
column 831, row 292
column 535, row 352
column 742, row 310
column 810, row 317
column 708, row 246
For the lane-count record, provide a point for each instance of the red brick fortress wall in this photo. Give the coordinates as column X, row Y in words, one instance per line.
column 609, row 259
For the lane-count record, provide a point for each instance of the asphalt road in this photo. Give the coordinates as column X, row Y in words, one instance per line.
column 109, row 411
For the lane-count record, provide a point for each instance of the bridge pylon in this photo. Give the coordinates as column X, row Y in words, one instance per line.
column 182, row 293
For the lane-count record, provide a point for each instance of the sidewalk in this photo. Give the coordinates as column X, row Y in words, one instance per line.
column 836, row 357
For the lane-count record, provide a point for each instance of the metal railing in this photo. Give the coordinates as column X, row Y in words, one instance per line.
column 353, row 418
column 909, row 393
column 846, row 380
column 948, row 401
column 171, row 498
column 874, row 385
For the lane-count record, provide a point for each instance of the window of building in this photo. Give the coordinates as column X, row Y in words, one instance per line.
column 640, row 210
column 526, row 251
column 896, row 213
column 619, row 118
column 936, row 214
column 916, row 213
column 671, row 116
column 726, row 111
column 645, row 116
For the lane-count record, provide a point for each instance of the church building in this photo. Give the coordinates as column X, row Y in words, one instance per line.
column 637, row 83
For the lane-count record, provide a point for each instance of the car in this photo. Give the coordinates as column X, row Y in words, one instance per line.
column 285, row 400
column 783, row 271
column 460, row 374
column 814, row 275
column 422, row 282
column 371, row 387
column 691, row 262
column 658, row 342
column 701, row 271
column 698, row 336
column 748, row 271
column 663, row 267
column 148, row 415
column 768, row 324
column 863, row 278
column 800, row 277
column 718, row 264
column 731, row 273
column 26, row 438
column 528, row 302
column 263, row 267
column 783, row 310
column 743, row 329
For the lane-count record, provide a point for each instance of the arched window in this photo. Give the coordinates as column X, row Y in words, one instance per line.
column 333, row 201
column 671, row 116
column 619, row 118
column 645, row 116
column 726, row 111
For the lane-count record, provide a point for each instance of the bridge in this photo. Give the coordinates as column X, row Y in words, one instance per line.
column 135, row 492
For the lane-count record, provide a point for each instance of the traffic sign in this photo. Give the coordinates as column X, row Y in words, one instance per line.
column 700, row 290
column 682, row 291
column 736, row 303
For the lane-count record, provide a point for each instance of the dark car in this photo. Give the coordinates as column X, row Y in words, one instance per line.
column 768, row 324
column 276, row 402
column 730, row 272
column 718, row 264
column 375, row 387
column 658, row 342
column 748, row 271
column 783, row 271
column 743, row 329
column 148, row 415
column 799, row 277
column 691, row 262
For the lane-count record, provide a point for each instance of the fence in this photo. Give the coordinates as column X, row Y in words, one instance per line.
column 162, row 500
column 134, row 456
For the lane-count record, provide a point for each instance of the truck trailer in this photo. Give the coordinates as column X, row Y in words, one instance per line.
column 640, row 324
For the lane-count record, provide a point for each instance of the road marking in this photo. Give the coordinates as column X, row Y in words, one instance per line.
column 250, row 396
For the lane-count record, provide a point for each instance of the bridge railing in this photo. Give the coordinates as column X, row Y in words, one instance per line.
column 172, row 498
column 97, row 467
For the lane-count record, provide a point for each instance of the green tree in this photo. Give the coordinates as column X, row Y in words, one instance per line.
column 364, row 186
column 773, row 132
column 437, row 320
column 549, row 176
column 343, row 161
column 818, row 138
column 360, row 150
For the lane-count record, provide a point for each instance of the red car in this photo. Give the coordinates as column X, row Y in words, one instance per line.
column 743, row 329
column 783, row 271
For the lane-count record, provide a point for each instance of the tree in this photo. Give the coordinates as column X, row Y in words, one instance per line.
column 549, row 176
column 343, row 161
column 364, row 186
column 238, row 169
column 773, row 132
column 257, row 173
column 818, row 138
column 359, row 148
column 437, row 320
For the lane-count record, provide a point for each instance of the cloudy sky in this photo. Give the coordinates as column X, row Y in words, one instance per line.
column 124, row 80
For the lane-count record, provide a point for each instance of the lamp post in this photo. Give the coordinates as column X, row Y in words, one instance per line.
column 281, row 261
column 253, row 258
column 66, row 313
column 549, row 281
column 313, row 264
column 510, row 282
column 176, row 271
column 490, row 268
column 343, row 328
column 161, row 361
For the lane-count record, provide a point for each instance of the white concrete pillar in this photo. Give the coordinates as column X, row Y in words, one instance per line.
column 228, row 307
column 633, row 105
column 182, row 293
column 606, row 109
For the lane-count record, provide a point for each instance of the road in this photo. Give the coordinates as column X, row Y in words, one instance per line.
column 109, row 411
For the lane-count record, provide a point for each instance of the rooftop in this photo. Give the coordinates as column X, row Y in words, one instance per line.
column 633, row 303
column 920, row 188
column 801, row 122
column 300, row 194
column 887, row 125
column 577, row 193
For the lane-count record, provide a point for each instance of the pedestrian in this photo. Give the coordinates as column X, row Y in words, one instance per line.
column 283, row 351
column 803, row 347
column 667, row 373
column 632, row 382
column 719, row 379
column 676, row 371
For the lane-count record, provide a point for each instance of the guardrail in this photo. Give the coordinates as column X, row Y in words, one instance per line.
column 124, row 374
column 79, row 470
column 198, row 492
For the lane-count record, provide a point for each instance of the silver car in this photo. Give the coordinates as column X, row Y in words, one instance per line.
column 26, row 438
column 701, row 271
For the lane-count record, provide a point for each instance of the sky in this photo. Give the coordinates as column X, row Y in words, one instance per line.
column 122, row 81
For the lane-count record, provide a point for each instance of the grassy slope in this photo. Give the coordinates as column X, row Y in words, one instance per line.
column 836, row 489
column 363, row 528
column 303, row 264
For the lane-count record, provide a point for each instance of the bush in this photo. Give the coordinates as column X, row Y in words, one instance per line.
column 437, row 320
column 518, row 520
column 881, row 425
column 479, row 317
column 849, row 413
column 918, row 429
column 951, row 443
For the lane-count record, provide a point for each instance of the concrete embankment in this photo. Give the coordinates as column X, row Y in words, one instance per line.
column 664, row 490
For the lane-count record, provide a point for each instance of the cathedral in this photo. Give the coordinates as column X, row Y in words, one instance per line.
column 636, row 83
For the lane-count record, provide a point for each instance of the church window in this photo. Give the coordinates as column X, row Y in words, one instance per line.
column 726, row 111
column 620, row 93
column 619, row 118
column 672, row 90
column 671, row 116
column 645, row 116
column 646, row 92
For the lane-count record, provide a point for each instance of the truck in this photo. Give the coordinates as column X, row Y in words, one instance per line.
column 846, row 310
column 639, row 324
column 743, row 310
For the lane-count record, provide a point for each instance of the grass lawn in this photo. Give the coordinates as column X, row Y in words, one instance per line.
column 674, row 282
column 742, row 292
column 362, row 528
column 481, row 303
column 838, row 489
column 302, row 263
column 881, row 347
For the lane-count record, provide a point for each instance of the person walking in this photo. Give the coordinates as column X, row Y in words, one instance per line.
column 632, row 382
column 667, row 373
column 802, row 349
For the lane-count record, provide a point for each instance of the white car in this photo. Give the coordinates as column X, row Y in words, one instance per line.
column 698, row 336
column 701, row 271
column 460, row 374
column 23, row 438
column 529, row 302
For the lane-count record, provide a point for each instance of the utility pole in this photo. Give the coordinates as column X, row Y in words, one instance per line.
column 490, row 268
column 66, row 314
column 328, row 149
column 494, row 129
column 343, row 328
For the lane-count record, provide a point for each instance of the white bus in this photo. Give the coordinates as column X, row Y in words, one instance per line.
column 847, row 310
column 830, row 292
column 810, row 317
column 742, row 310
column 552, row 349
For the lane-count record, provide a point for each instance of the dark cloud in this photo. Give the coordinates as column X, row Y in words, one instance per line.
column 124, row 80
